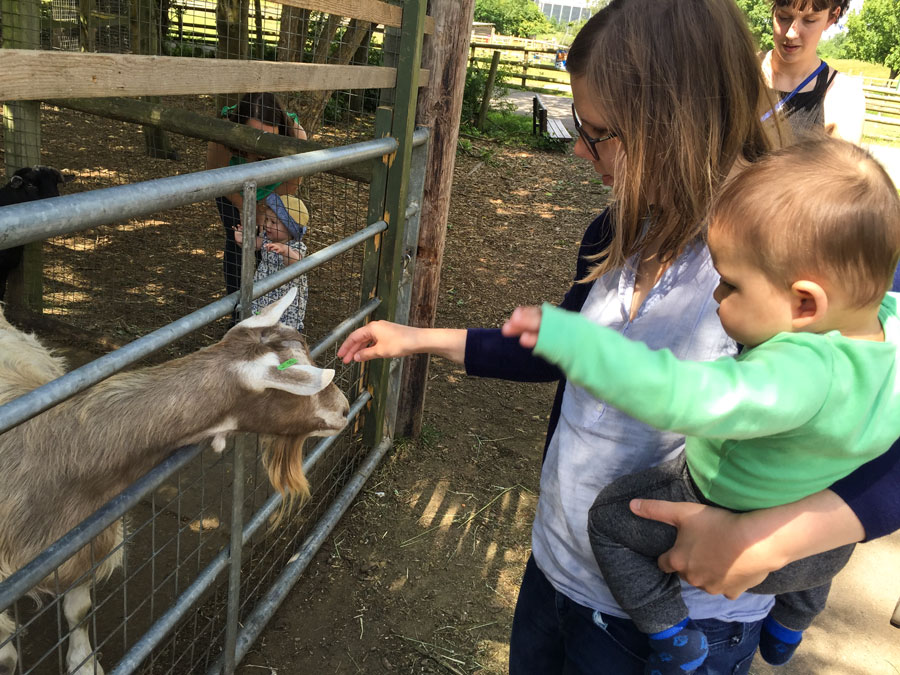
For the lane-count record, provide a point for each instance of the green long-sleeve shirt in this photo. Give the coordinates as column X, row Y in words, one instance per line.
column 777, row 423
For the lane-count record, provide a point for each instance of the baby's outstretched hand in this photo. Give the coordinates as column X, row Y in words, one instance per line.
column 526, row 323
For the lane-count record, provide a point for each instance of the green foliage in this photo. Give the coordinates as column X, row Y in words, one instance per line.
column 873, row 33
column 759, row 18
column 834, row 47
column 521, row 18
column 473, row 92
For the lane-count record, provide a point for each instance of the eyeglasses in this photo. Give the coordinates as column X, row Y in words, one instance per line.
column 590, row 142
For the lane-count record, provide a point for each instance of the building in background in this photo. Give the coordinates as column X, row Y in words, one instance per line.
column 565, row 11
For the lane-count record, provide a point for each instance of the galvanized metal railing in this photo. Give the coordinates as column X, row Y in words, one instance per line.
column 34, row 221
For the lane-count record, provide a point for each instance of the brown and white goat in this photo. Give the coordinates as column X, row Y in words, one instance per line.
column 59, row 467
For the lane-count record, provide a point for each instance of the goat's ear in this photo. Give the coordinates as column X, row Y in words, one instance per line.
column 271, row 314
column 298, row 379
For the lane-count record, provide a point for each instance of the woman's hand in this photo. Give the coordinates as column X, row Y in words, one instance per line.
column 238, row 233
column 386, row 340
column 724, row 552
column 711, row 551
column 378, row 340
column 526, row 323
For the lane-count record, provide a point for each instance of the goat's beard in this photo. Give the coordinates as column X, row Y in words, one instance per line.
column 283, row 460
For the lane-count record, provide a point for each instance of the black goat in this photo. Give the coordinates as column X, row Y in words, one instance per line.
column 26, row 185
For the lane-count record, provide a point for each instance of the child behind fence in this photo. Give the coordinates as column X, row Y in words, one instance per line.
column 281, row 221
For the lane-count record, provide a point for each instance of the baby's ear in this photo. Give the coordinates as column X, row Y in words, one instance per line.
column 809, row 304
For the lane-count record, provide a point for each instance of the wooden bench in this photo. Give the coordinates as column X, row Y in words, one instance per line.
column 551, row 127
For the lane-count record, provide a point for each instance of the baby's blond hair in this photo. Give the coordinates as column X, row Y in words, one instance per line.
column 822, row 210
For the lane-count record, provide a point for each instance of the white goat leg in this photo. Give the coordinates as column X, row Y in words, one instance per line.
column 8, row 655
column 79, row 659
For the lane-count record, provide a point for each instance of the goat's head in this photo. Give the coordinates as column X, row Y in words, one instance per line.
column 38, row 182
column 292, row 398
column 272, row 359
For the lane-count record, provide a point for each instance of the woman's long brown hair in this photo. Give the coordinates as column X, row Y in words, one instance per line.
column 680, row 82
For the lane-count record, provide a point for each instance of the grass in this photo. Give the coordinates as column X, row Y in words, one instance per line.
column 507, row 128
column 855, row 67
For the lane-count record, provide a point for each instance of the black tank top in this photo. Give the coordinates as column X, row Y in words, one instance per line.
column 806, row 109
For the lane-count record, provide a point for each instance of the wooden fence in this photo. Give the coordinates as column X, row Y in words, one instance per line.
column 526, row 62
column 883, row 106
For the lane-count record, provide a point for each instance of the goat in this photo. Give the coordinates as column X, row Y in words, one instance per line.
column 26, row 185
column 60, row 466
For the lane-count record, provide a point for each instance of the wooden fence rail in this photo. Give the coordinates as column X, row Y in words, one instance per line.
column 882, row 105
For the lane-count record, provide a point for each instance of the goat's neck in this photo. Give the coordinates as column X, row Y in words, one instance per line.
column 129, row 423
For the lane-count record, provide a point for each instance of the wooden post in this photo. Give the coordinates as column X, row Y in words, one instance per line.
column 440, row 106
column 22, row 144
column 524, row 68
column 391, row 269
column 156, row 142
column 87, row 25
column 488, row 90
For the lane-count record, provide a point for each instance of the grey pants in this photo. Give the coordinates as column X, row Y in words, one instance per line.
column 627, row 547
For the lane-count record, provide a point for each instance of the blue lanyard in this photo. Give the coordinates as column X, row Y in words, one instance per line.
column 781, row 103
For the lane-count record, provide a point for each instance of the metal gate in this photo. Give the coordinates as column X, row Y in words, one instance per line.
column 173, row 608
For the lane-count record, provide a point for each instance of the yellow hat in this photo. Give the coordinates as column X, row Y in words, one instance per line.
column 297, row 209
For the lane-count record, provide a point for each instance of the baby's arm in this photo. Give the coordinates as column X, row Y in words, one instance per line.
column 286, row 251
column 780, row 385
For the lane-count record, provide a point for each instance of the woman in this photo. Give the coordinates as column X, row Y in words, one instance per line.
column 668, row 97
column 812, row 93
column 261, row 111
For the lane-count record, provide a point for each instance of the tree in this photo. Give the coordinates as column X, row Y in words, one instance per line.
column 512, row 17
column 759, row 18
column 873, row 34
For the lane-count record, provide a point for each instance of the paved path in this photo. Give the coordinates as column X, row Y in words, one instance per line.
column 559, row 107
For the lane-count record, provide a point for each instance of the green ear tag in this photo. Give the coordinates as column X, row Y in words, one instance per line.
column 287, row 364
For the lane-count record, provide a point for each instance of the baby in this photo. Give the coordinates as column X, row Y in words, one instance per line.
column 282, row 222
column 806, row 242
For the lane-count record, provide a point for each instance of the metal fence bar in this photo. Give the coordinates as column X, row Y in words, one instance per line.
column 36, row 401
column 22, row 581
column 36, row 220
column 235, row 552
column 276, row 594
column 248, row 247
column 192, row 594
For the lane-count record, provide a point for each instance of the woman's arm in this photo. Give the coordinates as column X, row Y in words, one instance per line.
column 724, row 552
column 217, row 156
column 385, row 340
column 845, row 108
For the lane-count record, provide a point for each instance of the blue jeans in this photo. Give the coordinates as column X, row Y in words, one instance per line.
column 553, row 634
